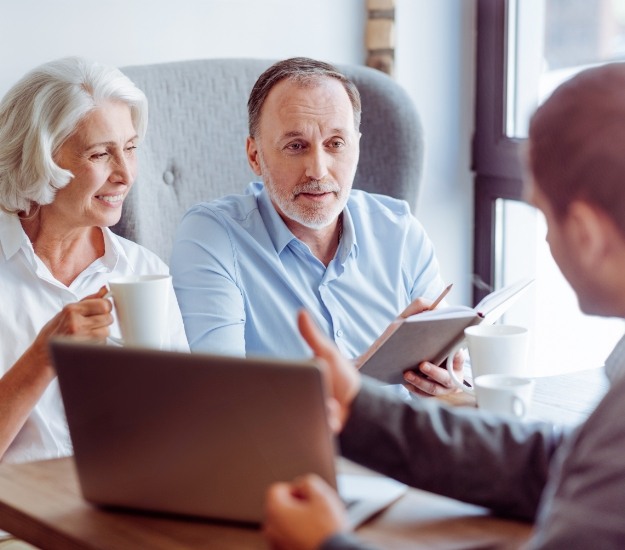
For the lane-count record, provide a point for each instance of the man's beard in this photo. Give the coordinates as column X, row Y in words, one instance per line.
column 308, row 214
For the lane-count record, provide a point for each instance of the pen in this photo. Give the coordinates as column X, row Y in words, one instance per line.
column 440, row 298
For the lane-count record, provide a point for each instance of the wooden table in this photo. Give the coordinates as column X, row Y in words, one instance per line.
column 40, row 502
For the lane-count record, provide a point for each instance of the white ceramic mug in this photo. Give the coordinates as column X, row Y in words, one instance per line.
column 141, row 303
column 493, row 349
column 504, row 394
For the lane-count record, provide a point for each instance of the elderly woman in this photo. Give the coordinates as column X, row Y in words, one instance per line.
column 69, row 131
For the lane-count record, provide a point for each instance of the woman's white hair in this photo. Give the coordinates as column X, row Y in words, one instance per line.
column 41, row 111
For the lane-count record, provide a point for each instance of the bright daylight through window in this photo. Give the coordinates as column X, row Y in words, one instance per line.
column 548, row 41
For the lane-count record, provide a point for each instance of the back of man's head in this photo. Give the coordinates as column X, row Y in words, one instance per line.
column 577, row 143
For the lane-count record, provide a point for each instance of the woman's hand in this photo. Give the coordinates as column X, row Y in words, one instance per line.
column 23, row 384
column 302, row 514
column 88, row 319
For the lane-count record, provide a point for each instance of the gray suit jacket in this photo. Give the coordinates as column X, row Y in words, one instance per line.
column 571, row 484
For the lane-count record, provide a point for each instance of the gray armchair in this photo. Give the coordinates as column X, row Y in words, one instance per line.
column 195, row 146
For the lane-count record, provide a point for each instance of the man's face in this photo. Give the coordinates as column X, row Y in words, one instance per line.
column 306, row 151
column 572, row 252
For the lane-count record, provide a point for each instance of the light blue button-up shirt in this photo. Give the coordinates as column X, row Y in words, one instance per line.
column 241, row 276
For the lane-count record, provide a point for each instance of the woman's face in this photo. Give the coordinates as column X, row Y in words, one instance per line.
column 101, row 156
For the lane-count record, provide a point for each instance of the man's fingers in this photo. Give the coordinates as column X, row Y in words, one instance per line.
column 420, row 385
column 318, row 342
column 432, row 380
column 311, row 488
column 436, row 374
column 459, row 362
column 335, row 414
column 416, row 306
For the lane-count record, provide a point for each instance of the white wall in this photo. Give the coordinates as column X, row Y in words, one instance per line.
column 435, row 63
column 128, row 32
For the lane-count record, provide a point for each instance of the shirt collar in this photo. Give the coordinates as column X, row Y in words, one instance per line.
column 348, row 242
column 280, row 234
column 13, row 238
column 114, row 253
column 12, row 235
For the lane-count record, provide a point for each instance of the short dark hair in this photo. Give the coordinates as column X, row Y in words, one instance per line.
column 577, row 143
column 302, row 70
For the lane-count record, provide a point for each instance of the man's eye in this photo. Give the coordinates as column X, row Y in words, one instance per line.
column 337, row 143
column 294, row 146
column 131, row 149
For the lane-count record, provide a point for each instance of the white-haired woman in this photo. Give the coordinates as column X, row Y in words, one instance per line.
column 69, row 130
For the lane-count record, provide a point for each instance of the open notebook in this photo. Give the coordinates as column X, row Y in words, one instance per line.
column 199, row 435
column 431, row 335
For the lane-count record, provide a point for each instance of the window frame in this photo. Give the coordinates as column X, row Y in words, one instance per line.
column 496, row 157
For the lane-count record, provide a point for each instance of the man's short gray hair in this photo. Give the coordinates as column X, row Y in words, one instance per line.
column 41, row 111
column 304, row 71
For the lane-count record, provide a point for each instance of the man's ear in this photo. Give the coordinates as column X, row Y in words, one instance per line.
column 589, row 231
column 252, row 155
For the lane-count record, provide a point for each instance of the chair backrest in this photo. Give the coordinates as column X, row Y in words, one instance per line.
column 195, row 145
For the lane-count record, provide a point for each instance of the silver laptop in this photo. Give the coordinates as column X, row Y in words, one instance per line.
column 195, row 434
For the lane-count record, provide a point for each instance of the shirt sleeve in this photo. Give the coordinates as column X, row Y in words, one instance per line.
column 421, row 268
column 461, row 453
column 204, row 270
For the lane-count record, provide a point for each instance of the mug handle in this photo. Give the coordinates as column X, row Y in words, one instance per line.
column 518, row 406
column 113, row 339
column 450, row 368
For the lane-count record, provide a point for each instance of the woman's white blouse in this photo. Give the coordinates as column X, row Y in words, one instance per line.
column 30, row 296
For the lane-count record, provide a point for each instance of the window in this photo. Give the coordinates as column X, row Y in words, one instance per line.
column 526, row 48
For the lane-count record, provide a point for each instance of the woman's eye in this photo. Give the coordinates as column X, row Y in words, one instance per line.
column 131, row 149
column 98, row 156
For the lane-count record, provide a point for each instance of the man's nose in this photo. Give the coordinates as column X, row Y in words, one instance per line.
column 317, row 166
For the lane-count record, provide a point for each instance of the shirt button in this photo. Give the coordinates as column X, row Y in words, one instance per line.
column 339, row 333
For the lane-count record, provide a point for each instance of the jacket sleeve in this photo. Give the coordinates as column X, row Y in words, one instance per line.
column 584, row 503
column 345, row 541
column 461, row 453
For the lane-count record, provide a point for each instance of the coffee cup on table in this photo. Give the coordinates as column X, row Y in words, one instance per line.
column 141, row 304
column 504, row 394
column 493, row 349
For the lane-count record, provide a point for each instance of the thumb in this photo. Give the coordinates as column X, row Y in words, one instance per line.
column 309, row 486
column 341, row 376
column 320, row 344
column 99, row 294
column 335, row 415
